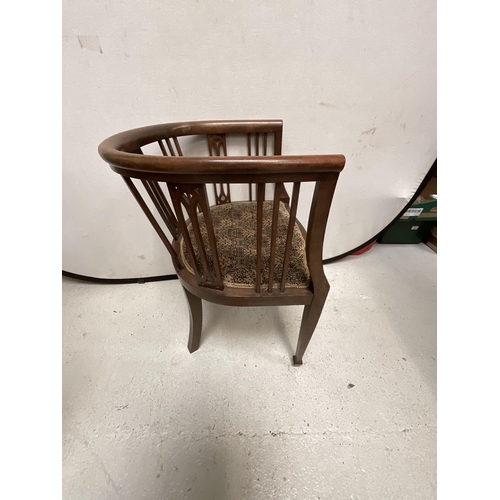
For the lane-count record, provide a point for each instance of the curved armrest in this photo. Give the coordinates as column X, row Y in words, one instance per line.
column 122, row 152
column 225, row 169
column 131, row 140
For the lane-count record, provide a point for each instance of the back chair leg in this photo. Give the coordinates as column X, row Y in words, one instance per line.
column 195, row 320
column 310, row 319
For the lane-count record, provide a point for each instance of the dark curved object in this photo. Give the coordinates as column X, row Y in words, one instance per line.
column 118, row 281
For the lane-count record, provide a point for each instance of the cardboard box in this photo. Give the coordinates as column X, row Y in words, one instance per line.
column 431, row 240
column 429, row 189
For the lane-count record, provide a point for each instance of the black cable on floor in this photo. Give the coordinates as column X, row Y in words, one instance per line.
column 166, row 277
column 119, row 281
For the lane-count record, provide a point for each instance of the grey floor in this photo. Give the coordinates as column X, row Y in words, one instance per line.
column 143, row 418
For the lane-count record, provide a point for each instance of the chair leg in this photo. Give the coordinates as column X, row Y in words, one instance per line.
column 310, row 319
column 195, row 320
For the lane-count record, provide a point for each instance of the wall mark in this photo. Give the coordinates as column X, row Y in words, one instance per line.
column 90, row 42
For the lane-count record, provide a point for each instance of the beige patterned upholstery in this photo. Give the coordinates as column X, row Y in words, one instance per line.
column 235, row 228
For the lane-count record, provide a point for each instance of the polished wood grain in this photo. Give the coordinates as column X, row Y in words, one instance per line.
column 173, row 253
column 260, row 204
column 320, row 208
column 289, row 236
column 195, row 320
column 162, row 205
column 217, row 147
column 193, row 197
column 274, row 233
column 187, row 179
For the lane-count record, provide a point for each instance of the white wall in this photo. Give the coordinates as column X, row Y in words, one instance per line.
column 352, row 76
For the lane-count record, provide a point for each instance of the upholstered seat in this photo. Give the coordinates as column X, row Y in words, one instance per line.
column 235, row 228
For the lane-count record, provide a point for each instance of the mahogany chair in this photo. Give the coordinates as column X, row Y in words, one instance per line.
column 240, row 253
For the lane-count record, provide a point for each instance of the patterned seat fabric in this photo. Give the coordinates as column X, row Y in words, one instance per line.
column 235, row 228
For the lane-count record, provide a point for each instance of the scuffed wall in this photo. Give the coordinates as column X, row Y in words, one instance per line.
column 352, row 77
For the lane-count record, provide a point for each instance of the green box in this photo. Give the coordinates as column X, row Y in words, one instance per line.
column 407, row 231
column 422, row 210
column 414, row 225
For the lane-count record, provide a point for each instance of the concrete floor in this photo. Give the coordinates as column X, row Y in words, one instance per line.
column 143, row 418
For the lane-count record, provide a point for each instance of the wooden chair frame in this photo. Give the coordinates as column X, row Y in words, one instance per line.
column 187, row 178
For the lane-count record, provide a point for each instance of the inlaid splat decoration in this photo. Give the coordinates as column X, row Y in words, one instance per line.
column 222, row 194
column 217, row 147
column 216, row 142
column 202, row 251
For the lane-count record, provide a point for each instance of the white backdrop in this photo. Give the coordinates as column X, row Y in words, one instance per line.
column 353, row 77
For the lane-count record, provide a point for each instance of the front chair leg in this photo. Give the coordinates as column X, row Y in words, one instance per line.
column 195, row 320
column 310, row 319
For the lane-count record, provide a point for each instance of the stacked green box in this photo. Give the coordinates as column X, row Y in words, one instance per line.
column 414, row 225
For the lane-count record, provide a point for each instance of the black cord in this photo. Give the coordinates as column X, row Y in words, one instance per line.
column 118, row 281
column 166, row 277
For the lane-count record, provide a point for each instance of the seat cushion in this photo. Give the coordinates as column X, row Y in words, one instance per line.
column 235, row 228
